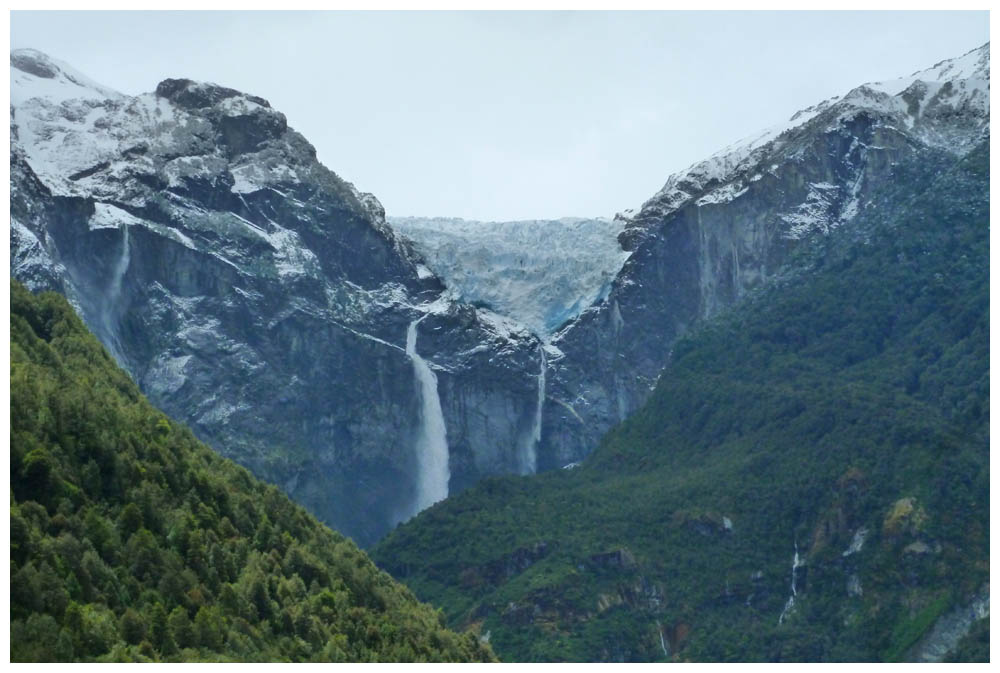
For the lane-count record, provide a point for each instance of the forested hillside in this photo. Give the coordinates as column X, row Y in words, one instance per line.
column 131, row 541
column 809, row 480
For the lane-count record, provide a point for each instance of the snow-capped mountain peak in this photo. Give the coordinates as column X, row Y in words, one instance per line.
column 34, row 74
column 974, row 64
column 925, row 103
column 161, row 155
column 959, row 83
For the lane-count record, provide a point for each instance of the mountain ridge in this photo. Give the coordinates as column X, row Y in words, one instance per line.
column 725, row 163
column 201, row 240
column 808, row 482
column 722, row 229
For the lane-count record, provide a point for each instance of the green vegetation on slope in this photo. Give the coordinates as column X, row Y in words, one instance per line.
column 130, row 540
column 841, row 413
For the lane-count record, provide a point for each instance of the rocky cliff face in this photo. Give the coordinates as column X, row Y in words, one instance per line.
column 720, row 229
column 253, row 293
column 257, row 296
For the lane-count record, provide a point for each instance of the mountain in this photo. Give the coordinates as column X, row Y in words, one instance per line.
column 266, row 302
column 809, row 480
column 258, row 297
column 132, row 541
column 727, row 225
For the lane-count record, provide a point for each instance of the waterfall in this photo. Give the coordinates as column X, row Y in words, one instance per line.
column 663, row 643
column 529, row 453
column 736, row 271
column 796, row 564
column 110, row 309
column 857, row 542
column 432, row 444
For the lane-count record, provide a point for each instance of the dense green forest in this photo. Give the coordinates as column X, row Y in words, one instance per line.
column 131, row 541
column 839, row 416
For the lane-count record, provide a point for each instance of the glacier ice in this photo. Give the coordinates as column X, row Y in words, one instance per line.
column 540, row 273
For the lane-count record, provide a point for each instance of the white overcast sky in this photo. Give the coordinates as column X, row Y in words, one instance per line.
column 521, row 115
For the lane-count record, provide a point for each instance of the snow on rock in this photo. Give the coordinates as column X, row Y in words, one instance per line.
column 164, row 152
column 926, row 103
column 972, row 70
column 258, row 172
column 815, row 213
column 29, row 260
column 292, row 257
column 724, row 195
column 540, row 273
column 721, row 166
column 34, row 74
column 107, row 216
column 237, row 106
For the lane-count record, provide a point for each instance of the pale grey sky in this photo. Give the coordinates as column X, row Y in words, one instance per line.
column 519, row 115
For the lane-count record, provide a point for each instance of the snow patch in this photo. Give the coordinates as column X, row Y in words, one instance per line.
column 255, row 176
column 107, row 216
column 724, row 194
column 503, row 326
column 819, row 210
column 238, row 106
column 28, row 257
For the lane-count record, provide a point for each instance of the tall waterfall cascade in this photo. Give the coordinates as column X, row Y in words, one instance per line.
column 432, row 443
column 529, row 450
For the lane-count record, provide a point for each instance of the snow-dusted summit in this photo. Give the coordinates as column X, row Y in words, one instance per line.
column 945, row 106
column 34, row 74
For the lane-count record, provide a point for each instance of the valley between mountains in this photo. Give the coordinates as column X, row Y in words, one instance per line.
column 747, row 421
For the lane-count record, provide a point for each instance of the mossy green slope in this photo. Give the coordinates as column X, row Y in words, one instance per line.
column 130, row 540
column 841, row 415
